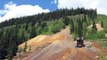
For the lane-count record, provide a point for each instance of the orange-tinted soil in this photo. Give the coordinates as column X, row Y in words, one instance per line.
column 60, row 46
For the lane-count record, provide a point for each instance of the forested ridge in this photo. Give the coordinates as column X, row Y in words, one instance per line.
column 50, row 16
column 18, row 30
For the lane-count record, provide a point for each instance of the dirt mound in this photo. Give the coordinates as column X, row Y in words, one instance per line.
column 98, row 26
column 42, row 40
column 33, row 43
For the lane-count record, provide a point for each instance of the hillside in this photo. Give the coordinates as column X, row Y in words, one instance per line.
column 38, row 31
column 60, row 46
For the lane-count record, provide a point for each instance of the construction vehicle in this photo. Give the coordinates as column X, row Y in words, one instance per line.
column 80, row 42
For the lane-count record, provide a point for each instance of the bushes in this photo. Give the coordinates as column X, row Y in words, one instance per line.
column 86, row 21
column 97, row 35
column 101, row 34
column 105, row 30
column 21, row 33
column 105, row 58
column 55, row 26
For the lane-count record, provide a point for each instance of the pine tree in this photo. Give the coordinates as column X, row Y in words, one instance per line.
column 66, row 20
column 13, row 45
column 94, row 27
column 102, row 24
column 10, row 56
column 80, row 27
column 72, row 25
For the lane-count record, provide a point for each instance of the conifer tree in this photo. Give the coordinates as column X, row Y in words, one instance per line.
column 72, row 25
column 102, row 24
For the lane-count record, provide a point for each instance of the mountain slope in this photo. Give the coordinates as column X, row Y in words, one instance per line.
column 62, row 47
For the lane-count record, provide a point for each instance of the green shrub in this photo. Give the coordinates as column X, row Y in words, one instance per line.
column 55, row 26
column 101, row 34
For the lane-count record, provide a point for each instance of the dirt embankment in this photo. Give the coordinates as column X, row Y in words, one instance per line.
column 42, row 40
column 61, row 47
column 98, row 26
